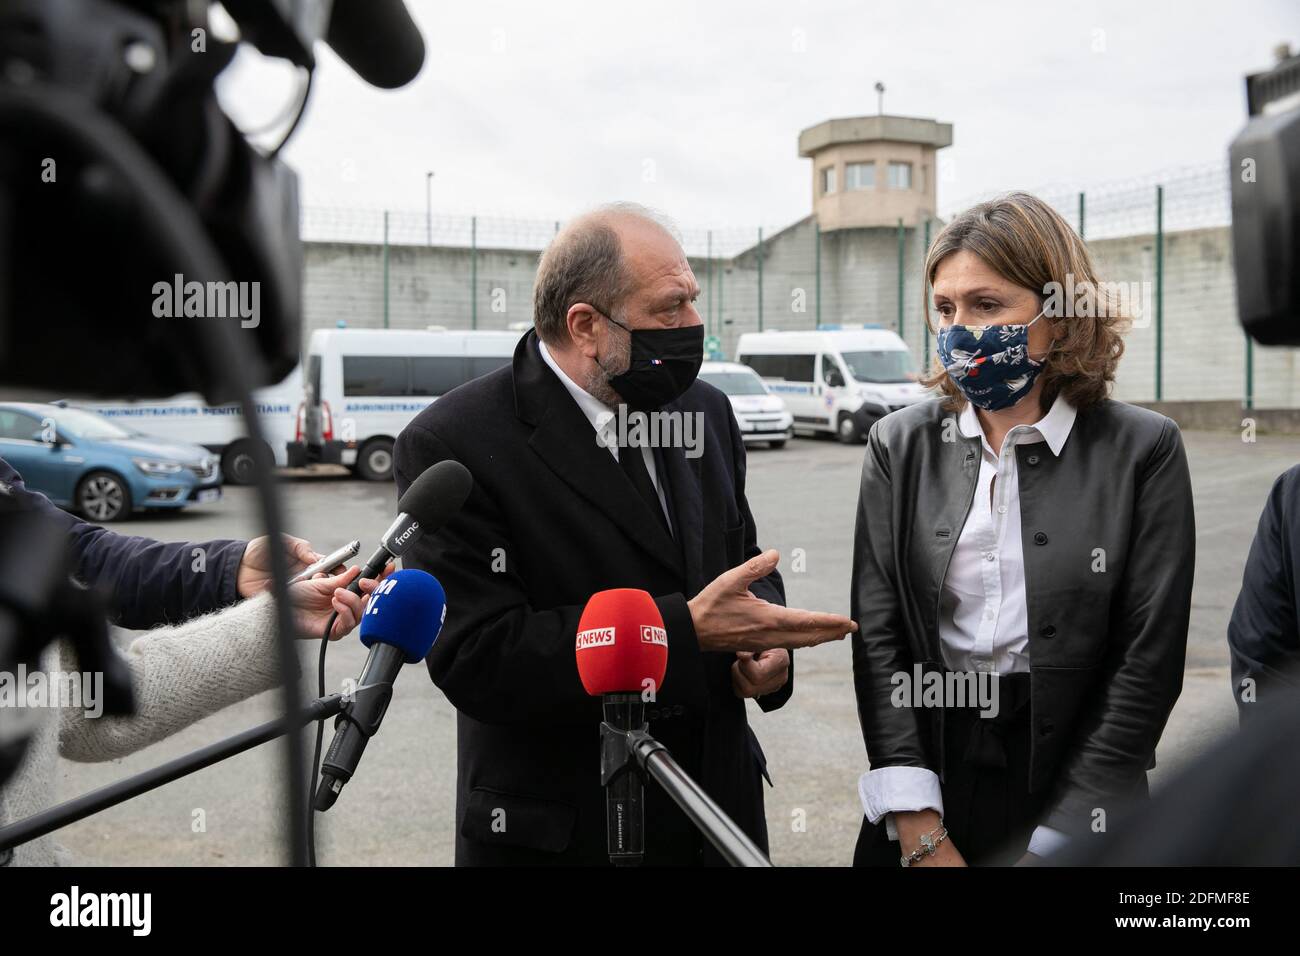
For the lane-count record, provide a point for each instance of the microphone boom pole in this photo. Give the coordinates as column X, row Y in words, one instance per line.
column 622, row 649
column 727, row 838
column 620, row 748
column 78, row 808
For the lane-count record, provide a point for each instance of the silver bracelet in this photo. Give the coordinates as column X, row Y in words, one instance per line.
column 929, row 845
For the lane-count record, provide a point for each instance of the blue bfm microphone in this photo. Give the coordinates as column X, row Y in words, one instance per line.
column 402, row 620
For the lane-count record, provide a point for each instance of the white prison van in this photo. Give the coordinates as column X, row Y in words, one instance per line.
column 362, row 386
column 218, row 428
column 836, row 379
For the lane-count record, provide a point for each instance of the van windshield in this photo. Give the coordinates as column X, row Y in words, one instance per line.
column 887, row 365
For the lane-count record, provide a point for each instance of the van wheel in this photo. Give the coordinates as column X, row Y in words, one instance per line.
column 776, row 444
column 239, row 460
column 103, row 496
column 375, row 460
column 847, row 430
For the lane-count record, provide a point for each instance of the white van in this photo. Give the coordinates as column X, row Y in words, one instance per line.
column 837, row 379
column 362, row 386
column 762, row 416
column 219, row 428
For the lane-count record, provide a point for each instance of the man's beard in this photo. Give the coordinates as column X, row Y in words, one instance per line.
column 617, row 361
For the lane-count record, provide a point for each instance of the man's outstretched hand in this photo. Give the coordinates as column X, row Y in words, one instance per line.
column 729, row 617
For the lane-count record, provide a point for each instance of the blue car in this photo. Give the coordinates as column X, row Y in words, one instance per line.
column 84, row 462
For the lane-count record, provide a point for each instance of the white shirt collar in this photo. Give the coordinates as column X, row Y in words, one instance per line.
column 597, row 412
column 1053, row 428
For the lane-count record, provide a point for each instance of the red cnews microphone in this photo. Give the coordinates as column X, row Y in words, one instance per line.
column 622, row 651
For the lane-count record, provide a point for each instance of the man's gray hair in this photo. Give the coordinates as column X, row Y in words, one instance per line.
column 584, row 263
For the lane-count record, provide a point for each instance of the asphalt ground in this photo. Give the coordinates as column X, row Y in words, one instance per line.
column 399, row 809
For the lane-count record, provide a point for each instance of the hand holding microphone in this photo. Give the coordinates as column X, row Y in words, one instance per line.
column 254, row 573
column 314, row 600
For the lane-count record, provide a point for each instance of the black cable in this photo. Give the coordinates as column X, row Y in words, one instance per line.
column 287, row 114
column 217, row 350
column 302, row 108
column 320, row 733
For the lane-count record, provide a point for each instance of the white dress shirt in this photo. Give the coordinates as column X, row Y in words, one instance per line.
column 983, row 619
column 600, row 415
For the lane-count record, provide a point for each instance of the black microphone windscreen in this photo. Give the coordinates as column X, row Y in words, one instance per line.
column 378, row 39
column 437, row 494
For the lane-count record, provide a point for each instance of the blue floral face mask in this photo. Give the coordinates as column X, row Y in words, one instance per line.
column 989, row 363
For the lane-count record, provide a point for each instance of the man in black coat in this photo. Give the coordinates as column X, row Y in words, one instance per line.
column 1264, row 631
column 145, row 582
column 562, row 508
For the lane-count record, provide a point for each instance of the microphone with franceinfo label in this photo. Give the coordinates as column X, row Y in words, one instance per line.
column 411, row 626
column 622, row 652
column 432, row 498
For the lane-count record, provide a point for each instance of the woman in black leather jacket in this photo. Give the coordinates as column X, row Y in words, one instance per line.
column 1022, row 566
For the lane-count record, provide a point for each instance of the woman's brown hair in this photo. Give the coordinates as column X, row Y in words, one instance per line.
column 1025, row 241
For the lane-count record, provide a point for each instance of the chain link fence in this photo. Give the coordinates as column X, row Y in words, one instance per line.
column 1167, row 235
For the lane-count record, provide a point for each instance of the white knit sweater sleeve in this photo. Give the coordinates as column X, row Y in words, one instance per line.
column 181, row 675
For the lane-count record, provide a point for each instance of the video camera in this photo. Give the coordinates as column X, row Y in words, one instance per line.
column 135, row 218
column 148, row 248
column 1265, row 171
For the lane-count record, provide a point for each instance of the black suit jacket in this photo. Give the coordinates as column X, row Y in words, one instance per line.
column 1263, row 634
column 551, row 520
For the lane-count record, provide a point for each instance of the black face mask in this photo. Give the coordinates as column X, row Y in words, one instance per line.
column 664, row 364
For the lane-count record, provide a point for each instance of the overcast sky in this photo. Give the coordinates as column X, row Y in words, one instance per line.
column 530, row 109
